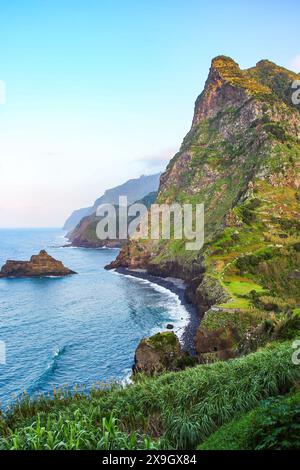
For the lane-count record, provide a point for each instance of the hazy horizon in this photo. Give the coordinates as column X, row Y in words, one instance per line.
column 99, row 94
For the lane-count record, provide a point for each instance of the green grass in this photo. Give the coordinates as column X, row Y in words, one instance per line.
column 232, row 436
column 245, row 432
column 175, row 410
column 243, row 287
column 239, row 289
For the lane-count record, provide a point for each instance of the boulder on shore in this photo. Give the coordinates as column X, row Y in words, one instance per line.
column 38, row 266
column 159, row 353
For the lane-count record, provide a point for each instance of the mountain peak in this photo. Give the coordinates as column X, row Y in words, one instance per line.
column 270, row 68
column 224, row 64
column 228, row 86
column 231, row 73
column 265, row 62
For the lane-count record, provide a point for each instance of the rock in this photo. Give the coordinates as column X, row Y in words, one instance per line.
column 159, row 353
column 169, row 326
column 295, row 275
column 38, row 266
column 215, row 345
column 131, row 256
column 210, row 292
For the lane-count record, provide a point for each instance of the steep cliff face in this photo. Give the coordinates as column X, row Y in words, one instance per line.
column 226, row 86
column 241, row 159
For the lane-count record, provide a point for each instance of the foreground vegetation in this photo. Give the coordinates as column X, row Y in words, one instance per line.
column 275, row 424
column 175, row 410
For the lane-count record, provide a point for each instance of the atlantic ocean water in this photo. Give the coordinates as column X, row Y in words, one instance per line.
column 77, row 330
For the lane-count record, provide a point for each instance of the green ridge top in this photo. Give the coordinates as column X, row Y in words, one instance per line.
column 230, row 72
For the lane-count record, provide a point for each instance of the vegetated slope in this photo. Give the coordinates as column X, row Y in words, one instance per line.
column 273, row 425
column 176, row 410
column 241, row 159
column 134, row 189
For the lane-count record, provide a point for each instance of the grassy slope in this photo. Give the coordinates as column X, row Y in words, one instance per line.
column 241, row 433
column 176, row 410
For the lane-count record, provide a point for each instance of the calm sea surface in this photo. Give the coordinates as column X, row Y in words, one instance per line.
column 79, row 329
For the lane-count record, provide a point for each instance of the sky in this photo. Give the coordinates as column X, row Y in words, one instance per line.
column 93, row 93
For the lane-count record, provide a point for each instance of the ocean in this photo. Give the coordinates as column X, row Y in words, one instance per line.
column 76, row 330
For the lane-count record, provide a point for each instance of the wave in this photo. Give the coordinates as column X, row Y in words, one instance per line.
column 89, row 248
column 127, row 378
column 49, row 371
column 107, row 248
column 175, row 308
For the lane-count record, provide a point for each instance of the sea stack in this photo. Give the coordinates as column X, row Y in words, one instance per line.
column 39, row 266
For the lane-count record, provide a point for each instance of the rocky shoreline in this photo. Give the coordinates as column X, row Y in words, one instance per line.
column 178, row 287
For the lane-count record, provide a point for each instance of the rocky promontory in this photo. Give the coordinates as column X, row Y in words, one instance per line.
column 39, row 265
column 159, row 353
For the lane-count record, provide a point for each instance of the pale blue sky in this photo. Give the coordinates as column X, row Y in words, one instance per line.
column 99, row 92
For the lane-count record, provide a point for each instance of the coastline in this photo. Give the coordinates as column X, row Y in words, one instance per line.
column 174, row 285
column 177, row 286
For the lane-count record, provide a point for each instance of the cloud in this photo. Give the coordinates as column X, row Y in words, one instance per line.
column 295, row 63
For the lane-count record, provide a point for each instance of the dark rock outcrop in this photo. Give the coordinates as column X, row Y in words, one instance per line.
column 216, row 344
column 159, row 353
column 39, row 265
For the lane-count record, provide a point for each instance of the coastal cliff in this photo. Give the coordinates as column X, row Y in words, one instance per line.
column 39, row 265
column 80, row 224
column 85, row 233
column 241, row 158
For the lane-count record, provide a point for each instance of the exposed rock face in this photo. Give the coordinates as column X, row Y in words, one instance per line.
column 241, row 159
column 38, row 266
column 159, row 353
column 227, row 85
column 216, row 344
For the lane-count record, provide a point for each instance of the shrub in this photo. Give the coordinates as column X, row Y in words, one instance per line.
column 277, row 425
column 288, row 328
